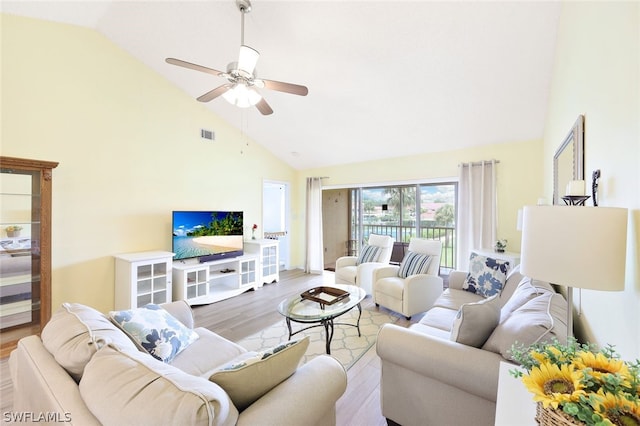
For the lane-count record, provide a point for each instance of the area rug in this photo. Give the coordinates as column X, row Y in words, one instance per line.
column 346, row 346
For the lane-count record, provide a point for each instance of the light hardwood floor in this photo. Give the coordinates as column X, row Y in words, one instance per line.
column 251, row 312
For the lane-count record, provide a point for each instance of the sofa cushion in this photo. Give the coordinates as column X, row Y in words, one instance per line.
column 199, row 360
column 541, row 319
column 253, row 374
column 155, row 330
column 526, row 290
column 392, row 287
column 486, row 275
column 414, row 264
column 453, row 299
column 133, row 388
column 474, row 322
column 431, row 331
column 368, row 254
column 75, row 332
column 440, row 318
column 347, row 274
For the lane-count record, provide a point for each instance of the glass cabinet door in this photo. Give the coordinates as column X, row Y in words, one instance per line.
column 25, row 249
column 19, row 274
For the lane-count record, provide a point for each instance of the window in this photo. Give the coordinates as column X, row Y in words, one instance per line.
column 426, row 210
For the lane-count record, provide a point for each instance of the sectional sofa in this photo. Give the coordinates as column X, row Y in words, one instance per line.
column 85, row 370
column 444, row 370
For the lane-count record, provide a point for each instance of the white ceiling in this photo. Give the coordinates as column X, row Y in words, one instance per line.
column 385, row 78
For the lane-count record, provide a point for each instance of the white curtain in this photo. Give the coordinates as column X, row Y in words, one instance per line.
column 314, row 261
column 477, row 209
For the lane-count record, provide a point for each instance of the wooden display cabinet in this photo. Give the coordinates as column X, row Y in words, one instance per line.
column 25, row 248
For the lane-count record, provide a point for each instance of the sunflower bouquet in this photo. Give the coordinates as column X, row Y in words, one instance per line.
column 579, row 383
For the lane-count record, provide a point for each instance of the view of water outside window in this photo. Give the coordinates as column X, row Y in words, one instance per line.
column 403, row 212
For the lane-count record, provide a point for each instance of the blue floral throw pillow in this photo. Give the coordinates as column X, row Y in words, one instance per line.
column 486, row 276
column 154, row 329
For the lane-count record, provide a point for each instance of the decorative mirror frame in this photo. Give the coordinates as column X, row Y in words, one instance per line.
column 573, row 146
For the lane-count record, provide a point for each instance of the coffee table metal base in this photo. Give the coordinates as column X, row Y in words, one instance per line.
column 328, row 325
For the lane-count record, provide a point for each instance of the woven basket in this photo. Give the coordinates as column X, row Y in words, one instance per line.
column 553, row 417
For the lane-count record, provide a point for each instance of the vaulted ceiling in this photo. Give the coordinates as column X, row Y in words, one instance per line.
column 385, row 78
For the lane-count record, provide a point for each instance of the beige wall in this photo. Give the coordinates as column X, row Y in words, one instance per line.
column 597, row 73
column 129, row 148
column 520, row 180
column 335, row 220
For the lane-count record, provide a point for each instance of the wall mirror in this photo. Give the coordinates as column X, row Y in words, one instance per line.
column 568, row 162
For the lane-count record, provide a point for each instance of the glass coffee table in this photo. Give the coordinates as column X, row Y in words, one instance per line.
column 311, row 311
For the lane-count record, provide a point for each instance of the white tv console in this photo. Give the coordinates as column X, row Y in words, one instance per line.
column 208, row 282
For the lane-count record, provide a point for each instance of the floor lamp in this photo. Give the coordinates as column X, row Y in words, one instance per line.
column 581, row 247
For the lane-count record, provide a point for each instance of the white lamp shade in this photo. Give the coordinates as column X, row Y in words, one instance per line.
column 248, row 59
column 581, row 247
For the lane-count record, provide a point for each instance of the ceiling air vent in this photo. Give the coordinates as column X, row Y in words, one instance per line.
column 207, row 134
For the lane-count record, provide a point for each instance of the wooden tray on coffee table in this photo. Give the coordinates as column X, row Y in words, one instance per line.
column 325, row 295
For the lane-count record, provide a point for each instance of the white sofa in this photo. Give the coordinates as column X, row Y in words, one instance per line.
column 107, row 380
column 430, row 379
column 349, row 271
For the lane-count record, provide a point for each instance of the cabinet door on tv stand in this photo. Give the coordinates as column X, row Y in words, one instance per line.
column 268, row 259
column 143, row 278
column 197, row 283
column 248, row 272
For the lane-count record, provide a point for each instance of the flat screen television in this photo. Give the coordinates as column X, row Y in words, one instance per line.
column 207, row 235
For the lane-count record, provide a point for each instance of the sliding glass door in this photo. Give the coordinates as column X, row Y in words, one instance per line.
column 404, row 211
column 438, row 218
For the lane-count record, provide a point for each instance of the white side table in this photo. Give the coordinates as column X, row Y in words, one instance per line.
column 513, row 258
column 514, row 404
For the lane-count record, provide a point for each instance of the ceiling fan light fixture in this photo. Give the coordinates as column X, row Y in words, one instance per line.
column 242, row 96
column 248, row 59
column 240, row 89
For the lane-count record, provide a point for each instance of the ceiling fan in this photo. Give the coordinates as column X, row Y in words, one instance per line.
column 242, row 81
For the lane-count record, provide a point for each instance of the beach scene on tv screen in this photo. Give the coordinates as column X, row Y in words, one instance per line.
column 205, row 233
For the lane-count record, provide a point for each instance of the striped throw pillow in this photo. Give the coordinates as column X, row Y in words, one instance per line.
column 414, row 264
column 368, row 254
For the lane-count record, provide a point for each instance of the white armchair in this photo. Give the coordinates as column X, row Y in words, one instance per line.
column 416, row 292
column 348, row 271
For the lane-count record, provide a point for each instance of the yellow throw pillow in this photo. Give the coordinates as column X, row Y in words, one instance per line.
column 251, row 375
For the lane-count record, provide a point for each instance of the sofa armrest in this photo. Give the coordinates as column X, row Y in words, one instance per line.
column 365, row 277
column 181, row 311
column 421, row 291
column 464, row 367
column 305, row 398
column 343, row 261
column 385, row 272
column 41, row 385
column 456, row 279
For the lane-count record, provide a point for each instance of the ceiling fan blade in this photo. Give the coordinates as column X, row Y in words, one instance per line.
column 212, row 94
column 264, row 107
column 248, row 59
column 181, row 63
column 294, row 89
